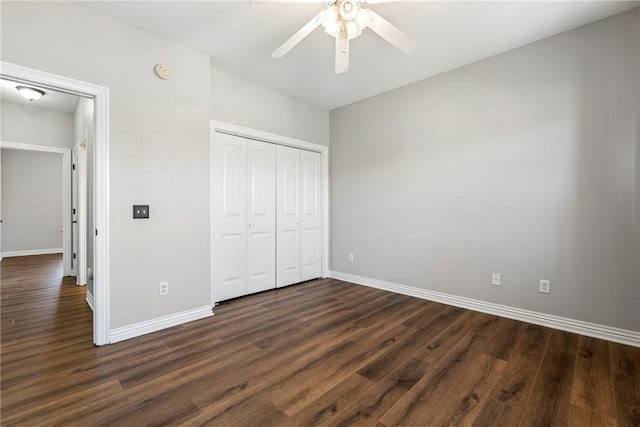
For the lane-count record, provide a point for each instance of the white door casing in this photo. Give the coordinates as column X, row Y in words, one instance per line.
column 100, row 95
column 0, row 205
column 310, row 215
column 288, row 216
column 67, row 256
column 261, row 216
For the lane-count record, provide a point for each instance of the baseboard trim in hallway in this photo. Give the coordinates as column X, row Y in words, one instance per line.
column 31, row 252
column 622, row 336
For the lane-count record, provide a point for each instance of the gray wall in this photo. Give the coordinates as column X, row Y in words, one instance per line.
column 31, row 200
column 523, row 164
column 244, row 103
column 83, row 122
column 33, row 125
column 159, row 147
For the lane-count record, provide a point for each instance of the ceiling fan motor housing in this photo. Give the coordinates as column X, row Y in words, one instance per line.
column 345, row 18
column 349, row 9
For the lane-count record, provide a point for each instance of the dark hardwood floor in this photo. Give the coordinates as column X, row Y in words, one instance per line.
column 325, row 352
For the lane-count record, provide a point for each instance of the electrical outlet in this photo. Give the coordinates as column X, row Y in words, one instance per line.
column 350, row 257
column 495, row 279
column 164, row 288
column 545, row 286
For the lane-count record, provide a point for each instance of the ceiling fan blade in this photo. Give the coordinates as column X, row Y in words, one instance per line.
column 297, row 37
column 342, row 54
column 391, row 33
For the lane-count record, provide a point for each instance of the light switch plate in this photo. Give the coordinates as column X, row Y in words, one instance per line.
column 140, row 211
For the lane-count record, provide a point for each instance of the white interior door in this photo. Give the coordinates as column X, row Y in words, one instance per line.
column 75, row 241
column 311, row 215
column 230, row 220
column 261, row 216
column 288, row 215
column 82, row 211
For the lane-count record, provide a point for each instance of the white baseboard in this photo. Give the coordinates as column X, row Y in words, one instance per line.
column 32, row 252
column 622, row 336
column 89, row 299
column 154, row 325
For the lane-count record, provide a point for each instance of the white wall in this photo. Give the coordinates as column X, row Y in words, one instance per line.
column 33, row 125
column 31, row 201
column 244, row 103
column 523, row 164
column 159, row 147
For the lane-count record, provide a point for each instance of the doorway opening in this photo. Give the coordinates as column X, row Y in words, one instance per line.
column 97, row 220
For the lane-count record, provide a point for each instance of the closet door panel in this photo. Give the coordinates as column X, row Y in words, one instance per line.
column 230, row 198
column 288, row 215
column 261, row 216
column 311, row 214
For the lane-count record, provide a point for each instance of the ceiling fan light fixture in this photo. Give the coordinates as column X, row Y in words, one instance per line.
column 363, row 18
column 345, row 15
column 331, row 21
column 30, row 93
column 353, row 30
column 348, row 9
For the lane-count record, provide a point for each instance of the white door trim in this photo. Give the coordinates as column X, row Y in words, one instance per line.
column 244, row 132
column 100, row 95
column 81, row 215
column 66, row 194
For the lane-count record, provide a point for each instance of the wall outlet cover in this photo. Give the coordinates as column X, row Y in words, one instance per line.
column 164, row 288
column 545, row 286
column 495, row 279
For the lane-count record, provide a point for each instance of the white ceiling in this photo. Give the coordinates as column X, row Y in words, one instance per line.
column 52, row 100
column 240, row 36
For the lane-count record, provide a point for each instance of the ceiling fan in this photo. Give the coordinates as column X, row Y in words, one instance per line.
column 345, row 20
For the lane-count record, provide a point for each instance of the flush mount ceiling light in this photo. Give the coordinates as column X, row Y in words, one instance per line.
column 30, row 93
column 345, row 20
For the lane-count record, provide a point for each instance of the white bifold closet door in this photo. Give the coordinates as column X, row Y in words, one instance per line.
column 261, row 216
column 298, row 215
column 311, row 211
column 244, row 216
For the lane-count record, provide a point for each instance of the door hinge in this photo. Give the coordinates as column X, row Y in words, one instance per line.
column 96, row 231
column 74, row 211
column 74, row 256
column 73, row 167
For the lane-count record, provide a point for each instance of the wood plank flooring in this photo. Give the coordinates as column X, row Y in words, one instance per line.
column 324, row 352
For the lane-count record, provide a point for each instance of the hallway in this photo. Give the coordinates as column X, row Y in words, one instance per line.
column 46, row 325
